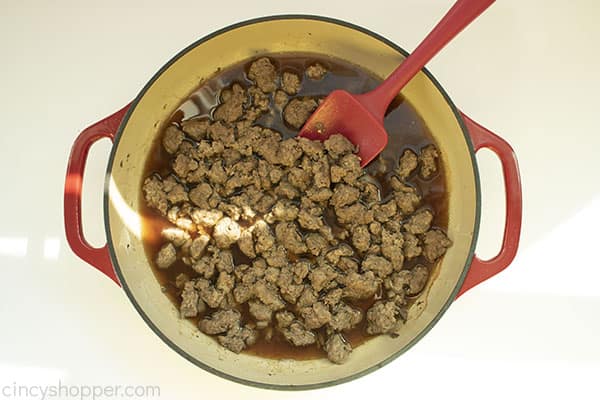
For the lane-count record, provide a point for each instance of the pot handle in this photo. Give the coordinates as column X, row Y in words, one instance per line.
column 482, row 270
column 98, row 258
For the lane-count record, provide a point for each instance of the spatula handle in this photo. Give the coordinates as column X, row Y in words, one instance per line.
column 462, row 13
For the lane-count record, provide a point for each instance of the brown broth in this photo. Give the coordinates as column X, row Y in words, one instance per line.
column 405, row 129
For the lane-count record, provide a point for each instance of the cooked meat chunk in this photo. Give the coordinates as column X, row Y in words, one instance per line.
column 285, row 210
column 198, row 245
column 297, row 111
column 287, row 234
column 312, row 148
column 435, row 243
column 382, row 317
column 172, row 138
column 385, row 211
column 238, row 338
column 232, row 101
column 196, row 128
column 206, row 218
column 309, row 221
column 189, row 301
column 379, row 265
column 338, row 145
column 344, row 195
column 263, row 73
column 183, row 165
column 307, row 298
column 320, row 277
column 226, row 232
column 246, row 244
column 359, row 286
column 320, row 171
column 354, row 214
column 333, row 256
column 316, row 71
column 176, row 236
column 344, row 317
column 408, row 163
column 264, row 238
column 428, row 161
column 268, row 295
column 298, row 335
column 155, row 195
column 411, row 246
column 260, row 311
column 407, row 201
column 220, row 322
column 280, row 99
column 392, row 248
column 419, row 222
column 177, row 194
column 338, row 349
column 284, row 319
column 315, row 316
column 361, row 238
column 200, row 195
column 290, row 83
column 166, row 256
column 315, row 243
column 299, row 178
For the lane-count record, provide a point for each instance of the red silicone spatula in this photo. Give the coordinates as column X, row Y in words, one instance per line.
column 359, row 117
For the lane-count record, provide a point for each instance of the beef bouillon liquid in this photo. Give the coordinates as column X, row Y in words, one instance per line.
column 405, row 129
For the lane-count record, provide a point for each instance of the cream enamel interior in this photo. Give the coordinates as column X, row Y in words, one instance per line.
column 166, row 93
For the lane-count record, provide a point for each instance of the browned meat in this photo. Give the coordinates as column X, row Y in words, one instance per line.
column 198, row 246
column 172, row 138
column 226, row 232
column 166, row 256
column 359, row 286
column 408, row 163
column 189, row 301
column 392, row 248
column 361, row 238
column 220, row 322
column 280, row 99
column 344, row 317
column 385, row 211
column 298, row 335
column 297, row 111
column 321, row 277
column 338, row 145
column 316, row 71
column 379, row 265
column 290, row 82
column 382, row 317
column 344, row 195
column 287, row 234
column 315, row 316
column 411, row 246
column 238, row 338
column 338, row 349
column 419, row 222
column 263, row 73
column 315, row 230
column 155, row 195
column 232, row 102
column 316, row 243
column 428, row 161
column 196, row 128
column 435, row 243
column 246, row 244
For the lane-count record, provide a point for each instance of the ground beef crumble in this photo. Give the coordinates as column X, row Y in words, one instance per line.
column 313, row 230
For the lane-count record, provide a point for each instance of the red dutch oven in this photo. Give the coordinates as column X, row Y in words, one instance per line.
column 133, row 129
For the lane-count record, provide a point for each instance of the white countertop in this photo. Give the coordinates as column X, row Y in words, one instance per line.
column 526, row 70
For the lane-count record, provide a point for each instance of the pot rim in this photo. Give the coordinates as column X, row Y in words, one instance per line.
column 233, row 378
